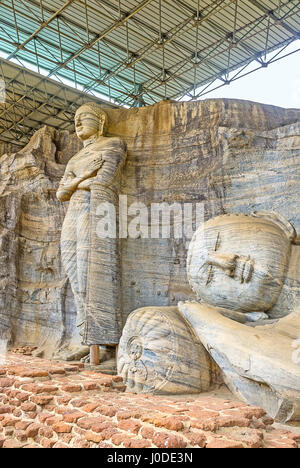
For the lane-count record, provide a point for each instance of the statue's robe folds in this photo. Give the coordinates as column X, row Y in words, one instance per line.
column 103, row 321
column 92, row 262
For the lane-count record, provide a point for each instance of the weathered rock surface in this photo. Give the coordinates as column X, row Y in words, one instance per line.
column 36, row 302
column 234, row 156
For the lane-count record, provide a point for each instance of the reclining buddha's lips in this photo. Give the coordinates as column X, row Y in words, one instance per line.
column 247, row 270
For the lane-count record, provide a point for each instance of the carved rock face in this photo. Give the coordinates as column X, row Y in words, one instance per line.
column 240, row 262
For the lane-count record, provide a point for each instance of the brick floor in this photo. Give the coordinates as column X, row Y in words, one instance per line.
column 46, row 404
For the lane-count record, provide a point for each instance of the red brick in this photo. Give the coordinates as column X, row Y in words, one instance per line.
column 79, row 402
column 118, row 439
column 88, row 422
column 196, row 439
column 127, row 414
column 147, row 432
column 232, row 421
column 253, row 438
column 203, row 414
column 9, row 421
column 117, row 378
column 22, row 396
column 66, row 438
column 165, row 440
column 28, row 407
column 170, row 423
column 12, row 444
column 32, row 388
column 33, row 373
column 6, row 409
column 41, row 400
column 105, row 381
column 137, row 443
column 44, row 416
column 108, row 433
column 72, row 416
column 46, row 432
column 6, row 382
column 90, row 407
column 22, row 425
column 62, row 428
column 92, row 437
column 89, row 386
column 107, row 411
column 250, row 411
column 129, row 425
column 53, row 420
column 71, row 388
column 81, row 443
column 101, row 426
column 64, row 400
column 279, row 444
column 46, row 443
column 20, row 436
column 223, row 443
column 268, row 421
column 33, row 430
column 105, row 445
column 47, row 389
column 209, row 425
column 57, row 371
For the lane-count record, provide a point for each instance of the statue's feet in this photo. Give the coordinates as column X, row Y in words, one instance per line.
column 72, row 353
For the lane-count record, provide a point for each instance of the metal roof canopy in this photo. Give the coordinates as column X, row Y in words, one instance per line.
column 32, row 101
column 140, row 52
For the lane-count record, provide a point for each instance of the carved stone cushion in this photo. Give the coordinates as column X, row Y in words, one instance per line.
column 239, row 261
column 158, row 353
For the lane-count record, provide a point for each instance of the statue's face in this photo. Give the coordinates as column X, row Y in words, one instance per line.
column 239, row 262
column 86, row 123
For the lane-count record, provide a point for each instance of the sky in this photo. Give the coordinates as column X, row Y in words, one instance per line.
column 278, row 84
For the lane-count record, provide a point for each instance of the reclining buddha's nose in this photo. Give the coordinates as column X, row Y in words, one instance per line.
column 226, row 262
column 232, row 264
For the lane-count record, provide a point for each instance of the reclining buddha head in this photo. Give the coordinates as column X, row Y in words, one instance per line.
column 240, row 261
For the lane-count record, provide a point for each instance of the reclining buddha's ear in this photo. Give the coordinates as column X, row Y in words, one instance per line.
column 281, row 222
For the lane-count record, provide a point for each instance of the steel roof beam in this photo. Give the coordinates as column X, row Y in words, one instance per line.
column 272, row 15
column 44, row 24
column 116, row 25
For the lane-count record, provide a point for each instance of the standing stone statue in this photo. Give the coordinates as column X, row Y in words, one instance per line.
column 92, row 264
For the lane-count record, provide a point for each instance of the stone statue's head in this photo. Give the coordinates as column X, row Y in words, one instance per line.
column 240, row 262
column 90, row 120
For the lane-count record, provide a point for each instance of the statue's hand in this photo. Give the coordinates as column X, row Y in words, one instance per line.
column 86, row 184
column 94, row 166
